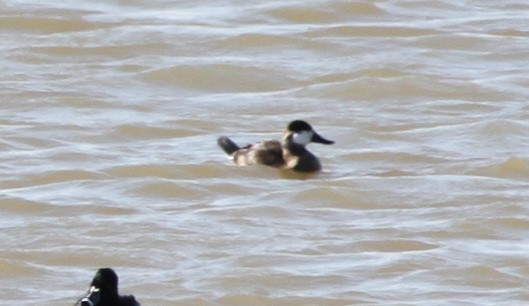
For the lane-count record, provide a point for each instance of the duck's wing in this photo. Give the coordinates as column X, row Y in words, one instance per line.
column 268, row 153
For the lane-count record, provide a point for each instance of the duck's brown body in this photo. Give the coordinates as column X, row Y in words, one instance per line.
column 290, row 153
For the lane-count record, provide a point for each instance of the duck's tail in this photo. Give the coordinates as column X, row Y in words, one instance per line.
column 227, row 145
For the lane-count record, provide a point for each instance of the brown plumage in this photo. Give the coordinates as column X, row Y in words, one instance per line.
column 290, row 153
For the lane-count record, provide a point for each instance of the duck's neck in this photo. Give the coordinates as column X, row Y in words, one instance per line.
column 110, row 298
column 294, row 148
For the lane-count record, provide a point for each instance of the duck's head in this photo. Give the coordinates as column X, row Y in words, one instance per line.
column 300, row 132
column 105, row 282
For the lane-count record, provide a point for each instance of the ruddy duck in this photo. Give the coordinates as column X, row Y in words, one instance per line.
column 290, row 153
column 103, row 291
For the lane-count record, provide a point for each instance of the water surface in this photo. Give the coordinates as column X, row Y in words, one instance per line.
column 110, row 112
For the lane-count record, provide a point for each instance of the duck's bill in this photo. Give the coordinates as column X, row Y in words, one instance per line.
column 92, row 298
column 318, row 139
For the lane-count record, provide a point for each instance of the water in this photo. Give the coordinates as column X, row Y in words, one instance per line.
column 109, row 117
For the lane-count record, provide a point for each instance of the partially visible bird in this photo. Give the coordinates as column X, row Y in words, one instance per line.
column 103, row 291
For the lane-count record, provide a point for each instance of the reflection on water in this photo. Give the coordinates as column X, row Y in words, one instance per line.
column 109, row 119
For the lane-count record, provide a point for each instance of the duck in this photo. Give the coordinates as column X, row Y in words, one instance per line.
column 289, row 153
column 103, row 291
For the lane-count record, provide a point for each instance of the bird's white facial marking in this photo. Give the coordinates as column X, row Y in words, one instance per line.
column 302, row 138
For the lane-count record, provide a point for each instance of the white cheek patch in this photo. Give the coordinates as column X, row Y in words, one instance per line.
column 302, row 138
